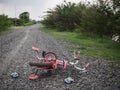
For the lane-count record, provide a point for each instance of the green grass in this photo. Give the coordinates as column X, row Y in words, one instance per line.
column 15, row 27
column 10, row 28
column 90, row 46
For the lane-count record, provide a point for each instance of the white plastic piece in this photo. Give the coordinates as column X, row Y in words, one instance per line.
column 72, row 63
column 78, row 68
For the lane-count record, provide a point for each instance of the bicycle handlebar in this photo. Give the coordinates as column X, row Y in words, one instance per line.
column 36, row 49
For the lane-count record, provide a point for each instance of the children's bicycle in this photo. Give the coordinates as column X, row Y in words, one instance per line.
column 49, row 62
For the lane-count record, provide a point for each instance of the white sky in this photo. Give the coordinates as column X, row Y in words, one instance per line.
column 36, row 8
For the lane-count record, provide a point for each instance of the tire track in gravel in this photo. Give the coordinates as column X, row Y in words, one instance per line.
column 17, row 48
column 9, row 55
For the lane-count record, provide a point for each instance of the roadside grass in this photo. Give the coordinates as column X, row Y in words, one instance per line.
column 10, row 28
column 15, row 27
column 89, row 46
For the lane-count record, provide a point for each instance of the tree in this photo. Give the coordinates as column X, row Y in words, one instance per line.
column 101, row 18
column 16, row 22
column 4, row 22
column 94, row 22
column 63, row 17
column 111, row 8
column 24, row 17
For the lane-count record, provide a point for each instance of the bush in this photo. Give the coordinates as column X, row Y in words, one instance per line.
column 4, row 22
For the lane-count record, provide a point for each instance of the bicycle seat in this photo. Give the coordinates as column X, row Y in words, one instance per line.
column 36, row 49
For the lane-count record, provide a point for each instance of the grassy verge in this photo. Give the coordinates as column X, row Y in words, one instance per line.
column 15, row 27
column 90, row 46
column 10, row 28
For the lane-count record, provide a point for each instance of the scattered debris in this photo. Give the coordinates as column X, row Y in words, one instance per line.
column 115, row 38
column 69, row 80
column 15, row 75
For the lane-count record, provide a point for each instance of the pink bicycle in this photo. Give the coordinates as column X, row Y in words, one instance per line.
column 50, row 62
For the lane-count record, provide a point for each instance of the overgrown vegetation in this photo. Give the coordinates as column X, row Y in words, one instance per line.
column 89, row 45
column 88, row 26
column 24, row 17
column 101, row 18
column 4, row 22
column 23, row 20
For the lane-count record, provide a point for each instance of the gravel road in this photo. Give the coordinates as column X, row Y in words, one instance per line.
column 16, row 52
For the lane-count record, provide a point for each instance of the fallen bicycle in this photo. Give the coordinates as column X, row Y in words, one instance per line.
column 50, row 62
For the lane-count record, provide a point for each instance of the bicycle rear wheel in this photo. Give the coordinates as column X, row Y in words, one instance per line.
column 50, row 55
column 41, row 65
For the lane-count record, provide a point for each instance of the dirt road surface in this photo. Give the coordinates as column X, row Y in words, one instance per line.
column 16, row 52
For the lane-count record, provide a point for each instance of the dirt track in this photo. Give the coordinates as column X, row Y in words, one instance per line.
column 15, row 53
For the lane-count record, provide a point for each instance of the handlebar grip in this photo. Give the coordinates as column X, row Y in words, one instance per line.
column 36, row 49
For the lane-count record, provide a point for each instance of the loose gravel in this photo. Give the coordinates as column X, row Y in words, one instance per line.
column 16, row 52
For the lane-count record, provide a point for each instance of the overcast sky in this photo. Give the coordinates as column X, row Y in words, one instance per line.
column 36, row 8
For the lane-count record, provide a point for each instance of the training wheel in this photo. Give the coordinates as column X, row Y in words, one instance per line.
column 33, row 77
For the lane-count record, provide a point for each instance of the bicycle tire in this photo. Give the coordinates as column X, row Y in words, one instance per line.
column 41, row 65
column 50, row 55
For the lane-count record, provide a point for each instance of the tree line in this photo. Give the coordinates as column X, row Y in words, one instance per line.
column 6, row 22
column 101, row 18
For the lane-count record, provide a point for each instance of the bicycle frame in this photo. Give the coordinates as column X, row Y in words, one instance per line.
column 49, row 61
